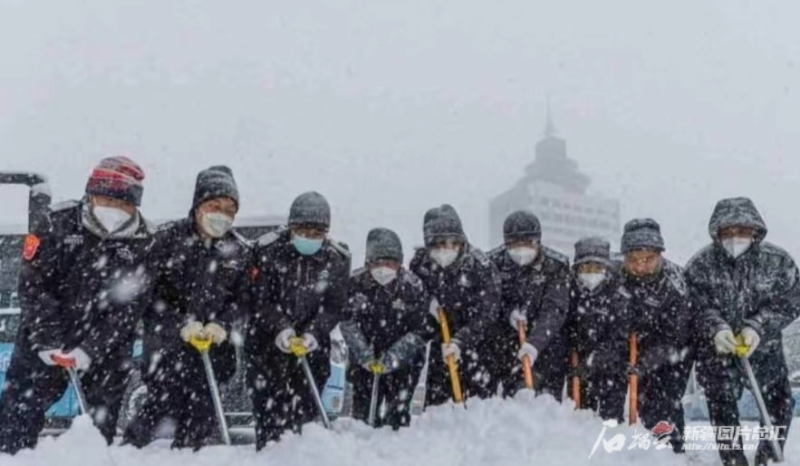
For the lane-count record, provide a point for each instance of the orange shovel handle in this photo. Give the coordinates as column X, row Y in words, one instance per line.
column 527, row 372
column 633, row 380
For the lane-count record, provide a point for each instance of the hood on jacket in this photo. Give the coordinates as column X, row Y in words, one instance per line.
column 736, row 211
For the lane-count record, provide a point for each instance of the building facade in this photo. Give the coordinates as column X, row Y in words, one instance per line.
column 555, row 190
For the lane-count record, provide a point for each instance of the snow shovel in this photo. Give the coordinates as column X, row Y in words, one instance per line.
column 527, row 372
column 69, row 365
column 420, row 391
column 203, row 346
column 451, row 360
column 744, row 364
column 297, row 348
column 633, row 380
column 373, row 402
column 576, row 380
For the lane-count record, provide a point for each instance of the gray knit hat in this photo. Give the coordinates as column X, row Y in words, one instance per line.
column 641, row 233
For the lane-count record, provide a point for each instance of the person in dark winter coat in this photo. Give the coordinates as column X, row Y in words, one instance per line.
column 83, row 287
column 535, row 293
column 387, row 317
column 743, row 286
column 202, row 279
column 598, row 327
column 300, row 292
column 463, row 283
column 661, row 321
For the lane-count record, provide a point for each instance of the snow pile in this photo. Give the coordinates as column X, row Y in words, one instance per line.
column 489, row 433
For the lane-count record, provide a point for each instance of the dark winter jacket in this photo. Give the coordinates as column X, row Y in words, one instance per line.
column 84, row 288
column 540, row 290
column 599, row 323
column 306, row 293
column 661, row 315
column 759, row 289
column 468, row 291
column 204, row 280
column 383, row 319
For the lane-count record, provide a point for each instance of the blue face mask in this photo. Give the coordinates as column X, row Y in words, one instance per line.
column 306, row 246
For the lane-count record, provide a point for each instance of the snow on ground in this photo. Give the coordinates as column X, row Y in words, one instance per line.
column 489, row 433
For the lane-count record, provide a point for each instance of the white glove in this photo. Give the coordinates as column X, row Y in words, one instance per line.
column 516, row 317
column 82, row 360
column 192, row 330
column 453, row 348
column 310, row 342
column 46, row 358
column 724, row 342
column 282, row 340
column 750, row 338
column 434, row 309
column 216, row 332
column 529, row 350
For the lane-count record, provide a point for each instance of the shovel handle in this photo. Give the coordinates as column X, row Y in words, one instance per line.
column 527, row 372
column 633, row 380
column 576, row 380
column 451, row 361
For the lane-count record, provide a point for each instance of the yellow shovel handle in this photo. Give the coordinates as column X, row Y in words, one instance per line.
column 741, row 349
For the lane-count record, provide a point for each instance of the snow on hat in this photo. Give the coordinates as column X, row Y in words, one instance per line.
column 522, row 225
column 593, row 249
column 383, row 244
column 118, row 178
column 310, row 208
column 642, row 233
column 215, row 182
column 442, row 223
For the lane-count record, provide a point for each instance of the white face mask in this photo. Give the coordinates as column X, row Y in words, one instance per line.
column 110, row 217
column 383, row 275
column 591, row 280
column 444, row 256
column 523, row 255
column 737, row 246
column 216, row 224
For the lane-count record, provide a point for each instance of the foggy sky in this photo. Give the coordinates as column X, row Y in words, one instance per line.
column 389, row 108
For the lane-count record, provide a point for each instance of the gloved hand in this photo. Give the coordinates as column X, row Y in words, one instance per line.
column 216, row 332
column 192, row 330
column 751, row 338
column 453, row 348
column 46, row 356
column 310, row 342
column 516, row 317
column 284, row 338
column 529, row 350
column 434, row 309
column 724, row 342
column 76, row 358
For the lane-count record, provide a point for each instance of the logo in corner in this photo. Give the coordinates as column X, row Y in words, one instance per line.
column 662, row 428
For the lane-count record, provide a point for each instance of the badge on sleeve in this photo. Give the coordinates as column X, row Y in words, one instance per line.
column 30, row 247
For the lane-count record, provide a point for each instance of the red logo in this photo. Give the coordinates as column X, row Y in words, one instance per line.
column 662, row 428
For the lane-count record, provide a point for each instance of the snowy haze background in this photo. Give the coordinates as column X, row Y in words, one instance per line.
column 389, row 108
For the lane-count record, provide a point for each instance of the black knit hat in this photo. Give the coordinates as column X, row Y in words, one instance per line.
column 593, row 249
column 310, row 208
column 213, row 183
column 383, row 244
column 442, row 223
column 642, row 233
column 522, row 225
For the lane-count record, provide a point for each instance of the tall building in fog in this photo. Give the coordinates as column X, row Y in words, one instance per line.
column 554, row 189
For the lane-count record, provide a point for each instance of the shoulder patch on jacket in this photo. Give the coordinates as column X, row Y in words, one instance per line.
column 64, row 206
column 340, row 247
column 555, row 255
column 268, row 238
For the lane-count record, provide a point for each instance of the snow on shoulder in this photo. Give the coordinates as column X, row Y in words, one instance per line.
column 489, row 433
